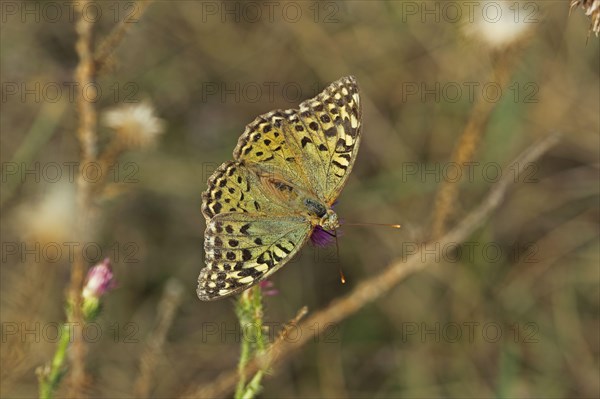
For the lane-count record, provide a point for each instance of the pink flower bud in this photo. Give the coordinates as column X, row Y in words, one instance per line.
column 267, row 288
column 99, row 280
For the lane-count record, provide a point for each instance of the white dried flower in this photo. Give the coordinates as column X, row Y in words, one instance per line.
column 500, row 24
column 135, row 125
column 52, row 219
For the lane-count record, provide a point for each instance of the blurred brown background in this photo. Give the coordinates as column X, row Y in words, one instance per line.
column 516, row 315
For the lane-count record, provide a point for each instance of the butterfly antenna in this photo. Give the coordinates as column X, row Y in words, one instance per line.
column 394, row 226
column 337, row 250
column 337, row 246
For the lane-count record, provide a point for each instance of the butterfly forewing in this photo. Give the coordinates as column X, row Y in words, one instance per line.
column 314, row 146
column 268, row 142
column 334, row 120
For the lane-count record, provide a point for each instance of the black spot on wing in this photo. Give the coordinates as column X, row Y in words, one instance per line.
column 284, row 249
column 331, row 132
column 246, row 255
column 339, row 165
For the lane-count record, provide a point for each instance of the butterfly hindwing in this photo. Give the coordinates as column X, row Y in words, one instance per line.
column 234, row 187
column 242, row 249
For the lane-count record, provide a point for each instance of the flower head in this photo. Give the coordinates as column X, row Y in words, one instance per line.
column 267, row 288
column 500, row 24
column 135, row 125
column 51, row 219
column 99, row 281
column 320, row 237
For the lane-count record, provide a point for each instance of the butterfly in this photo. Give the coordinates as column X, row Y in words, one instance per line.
column 288, row 168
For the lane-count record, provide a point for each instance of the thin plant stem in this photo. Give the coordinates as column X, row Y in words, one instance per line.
column 244, row 358
column 167, row 308
column 86, row 134
column 250, row 313
column 49, row 379
column 253, row 387
column 44, row 126
column 85, row 210
column 468, row 142
column 111, row 42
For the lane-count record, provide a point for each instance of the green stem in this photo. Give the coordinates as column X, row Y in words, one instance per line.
column 249, row 312
column 257, row 319
column 50, row 379
column 253, row 386
column 49, row 382
column 244, row 357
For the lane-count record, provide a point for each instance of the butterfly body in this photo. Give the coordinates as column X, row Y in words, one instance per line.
column 304, row 204
column 288, row 170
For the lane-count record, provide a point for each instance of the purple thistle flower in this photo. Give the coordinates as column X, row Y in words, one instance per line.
column 267, row 288
column 99, row 280
column 320, row 237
